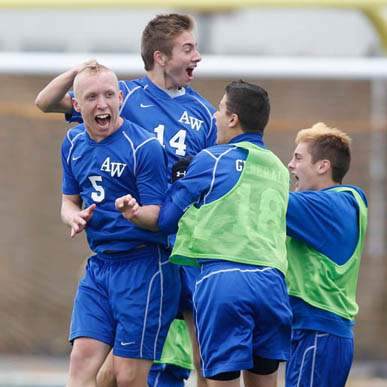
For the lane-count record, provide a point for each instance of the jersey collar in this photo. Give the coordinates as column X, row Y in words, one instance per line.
column 158, row 91
column 255, row 138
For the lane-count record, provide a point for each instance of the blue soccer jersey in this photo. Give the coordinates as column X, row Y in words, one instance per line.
column 319, row 218
column 211, row 174
column 130, row 161
column 322, row 342
column 184, row 124
column 229, row 343
column 327, row 221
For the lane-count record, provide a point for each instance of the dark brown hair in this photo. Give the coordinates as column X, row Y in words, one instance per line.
column 159, row 34
column 251, row 103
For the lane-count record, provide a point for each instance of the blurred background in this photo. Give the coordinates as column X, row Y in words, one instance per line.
column 319, row 60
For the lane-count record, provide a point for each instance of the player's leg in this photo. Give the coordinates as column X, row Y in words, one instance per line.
column 92, row 326
column 86, row 358
column 224, row 383
column 254, row 380
column 189, row 319
column 188, row 277
column 263, row 374
column 131, row 372
column 160, row 375
column 145, row 291
column 105, row 376
column 272, row 332
column 319, row 359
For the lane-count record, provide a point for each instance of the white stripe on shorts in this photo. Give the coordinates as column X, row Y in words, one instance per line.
column 230, row 270
column 159, row 272
column 314, row 348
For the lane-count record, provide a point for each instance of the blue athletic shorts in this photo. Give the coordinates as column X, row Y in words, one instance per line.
column 127, row 301
column 188, row 275
column 241, row 311
column 167, row 375
column 319, row 359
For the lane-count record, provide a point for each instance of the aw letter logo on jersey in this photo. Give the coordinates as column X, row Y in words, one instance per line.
column 113, row 168
column 192, row 121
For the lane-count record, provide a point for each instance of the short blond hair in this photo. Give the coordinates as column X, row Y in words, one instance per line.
column 92, row 69
column 330, row 144
column 321, row 130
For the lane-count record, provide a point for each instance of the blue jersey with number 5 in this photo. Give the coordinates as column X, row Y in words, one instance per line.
column 183, row 124
column 128, row 161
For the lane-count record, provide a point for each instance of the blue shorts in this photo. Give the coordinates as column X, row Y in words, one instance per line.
column 167, row 375
column 241, row 311
column 319, row 359
column 188, row 275
column 127, row 301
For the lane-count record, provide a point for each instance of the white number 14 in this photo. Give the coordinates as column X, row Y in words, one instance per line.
column 177, row 141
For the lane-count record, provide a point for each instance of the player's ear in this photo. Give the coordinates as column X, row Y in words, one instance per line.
column 324, row 166
column 160, row 58
column 233, row 120
column 121, row 97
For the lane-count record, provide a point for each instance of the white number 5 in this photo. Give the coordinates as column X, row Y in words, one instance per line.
column 99, row 195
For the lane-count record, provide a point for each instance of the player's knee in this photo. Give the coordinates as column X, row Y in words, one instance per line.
column 106, row 377
column 264, row 366
column 130, row 377
column 81, row 366
column 125, row 378
column 79, row 357
column 225, row 376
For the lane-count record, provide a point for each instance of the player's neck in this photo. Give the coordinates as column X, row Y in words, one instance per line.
column 324, row 183
column 159, row 79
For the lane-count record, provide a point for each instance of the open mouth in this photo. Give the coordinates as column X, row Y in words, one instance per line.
column 103, row 119
column 294, row 179
column 189, row 71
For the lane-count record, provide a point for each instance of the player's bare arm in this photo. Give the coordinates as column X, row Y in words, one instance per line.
column 73, row 215
column 143, row 216
column 54, row 98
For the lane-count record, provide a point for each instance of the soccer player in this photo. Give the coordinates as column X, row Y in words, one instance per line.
column 230, row 209
column 127, row 297
column 326, row 222
column 162, row 103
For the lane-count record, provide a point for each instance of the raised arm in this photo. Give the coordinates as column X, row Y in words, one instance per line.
column 73, row 215
column 54, row 98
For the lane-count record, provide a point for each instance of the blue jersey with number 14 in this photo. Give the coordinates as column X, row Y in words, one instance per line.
column 183, row 124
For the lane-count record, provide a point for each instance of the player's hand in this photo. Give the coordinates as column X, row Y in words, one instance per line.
column 128, row 206
column 179, row 169
column 88, row 63
column 80, row 219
